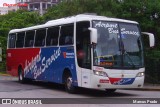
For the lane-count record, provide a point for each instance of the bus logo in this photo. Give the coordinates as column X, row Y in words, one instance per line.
column 68, row 55
column 121, row 81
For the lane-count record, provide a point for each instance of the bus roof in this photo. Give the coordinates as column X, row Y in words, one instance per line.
column 66, row 20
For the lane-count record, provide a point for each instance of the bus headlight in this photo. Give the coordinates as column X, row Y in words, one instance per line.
column 100, row 73
column 140, row 74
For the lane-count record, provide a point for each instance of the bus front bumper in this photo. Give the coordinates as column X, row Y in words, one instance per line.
column 99, row 82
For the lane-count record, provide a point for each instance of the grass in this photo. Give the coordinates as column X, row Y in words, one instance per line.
column 3, row 72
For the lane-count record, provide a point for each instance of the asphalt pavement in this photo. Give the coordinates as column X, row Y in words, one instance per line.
column 146, row 87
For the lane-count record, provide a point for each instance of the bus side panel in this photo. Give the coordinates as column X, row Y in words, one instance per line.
column 49, row 64
column 16, row 57
column 45, row 65
column 67, row 60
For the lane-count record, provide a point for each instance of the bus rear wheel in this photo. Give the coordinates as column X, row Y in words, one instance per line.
column 21, row 78
column 69, row 84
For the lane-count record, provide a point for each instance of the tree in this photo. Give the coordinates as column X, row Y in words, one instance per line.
column 15, row 20
column 74, row 7
column 146, row 12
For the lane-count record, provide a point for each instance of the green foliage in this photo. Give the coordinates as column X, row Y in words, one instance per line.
column 74, row 7
column 146, row 12
column 15, row 20
column 20, row 19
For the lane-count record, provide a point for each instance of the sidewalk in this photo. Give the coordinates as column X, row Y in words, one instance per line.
column 149, row 87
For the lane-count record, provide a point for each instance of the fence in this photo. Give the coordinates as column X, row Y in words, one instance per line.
column 152, row 63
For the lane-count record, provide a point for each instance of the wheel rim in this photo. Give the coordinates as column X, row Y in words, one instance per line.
column 20, row 76
column 69, row 83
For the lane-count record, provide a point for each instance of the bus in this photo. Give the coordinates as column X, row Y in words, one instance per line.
column 85, row 50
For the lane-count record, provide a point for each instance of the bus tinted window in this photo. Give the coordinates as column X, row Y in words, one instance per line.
column 29, row 40
column 83, row 44
column 52, row 36
column 66, row 37
column 12, row 39
column 40, row 37
column 20, row 40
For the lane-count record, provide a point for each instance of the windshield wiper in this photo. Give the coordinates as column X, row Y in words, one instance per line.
column 124, row 52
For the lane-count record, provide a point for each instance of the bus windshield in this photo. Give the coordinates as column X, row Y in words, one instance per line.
column 118, row 46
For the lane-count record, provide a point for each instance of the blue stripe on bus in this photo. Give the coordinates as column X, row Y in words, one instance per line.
column 51, row 64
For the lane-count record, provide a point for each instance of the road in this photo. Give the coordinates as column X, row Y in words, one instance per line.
column 11, row 88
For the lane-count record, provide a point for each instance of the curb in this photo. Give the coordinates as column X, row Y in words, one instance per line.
column 151, row 89
column 5, row 75
column 146, row 89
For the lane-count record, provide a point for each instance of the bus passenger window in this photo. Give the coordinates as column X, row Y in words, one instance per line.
column 68, row 40
column 12, row 39
column 66, row 37
column 40, row 37
column 53, row 42
column 29, row 39
column 52, row 36
column 20, row 40
column 31, row 43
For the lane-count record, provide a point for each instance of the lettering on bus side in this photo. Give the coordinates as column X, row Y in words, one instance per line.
column 45, row 63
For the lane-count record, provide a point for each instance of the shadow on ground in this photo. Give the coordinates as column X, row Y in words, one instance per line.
column 81, row 91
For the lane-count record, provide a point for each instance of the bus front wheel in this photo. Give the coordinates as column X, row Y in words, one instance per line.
column 69, row 84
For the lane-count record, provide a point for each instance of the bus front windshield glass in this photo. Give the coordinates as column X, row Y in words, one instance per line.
column 118, row 45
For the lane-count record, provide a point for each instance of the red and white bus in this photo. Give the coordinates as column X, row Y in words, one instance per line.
column 88, row 51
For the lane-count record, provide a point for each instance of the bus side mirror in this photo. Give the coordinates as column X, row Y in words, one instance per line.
column 151, row 38
column 93, row 35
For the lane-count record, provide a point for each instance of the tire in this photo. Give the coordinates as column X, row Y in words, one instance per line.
column 110, row 91
column 21, row 78
column 69, row 84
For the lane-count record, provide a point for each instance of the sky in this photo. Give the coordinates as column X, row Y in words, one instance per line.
column 6, row 1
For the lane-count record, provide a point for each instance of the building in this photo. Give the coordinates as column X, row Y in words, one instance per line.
column 12, row 8
column 37, row 5
column 5, row 10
